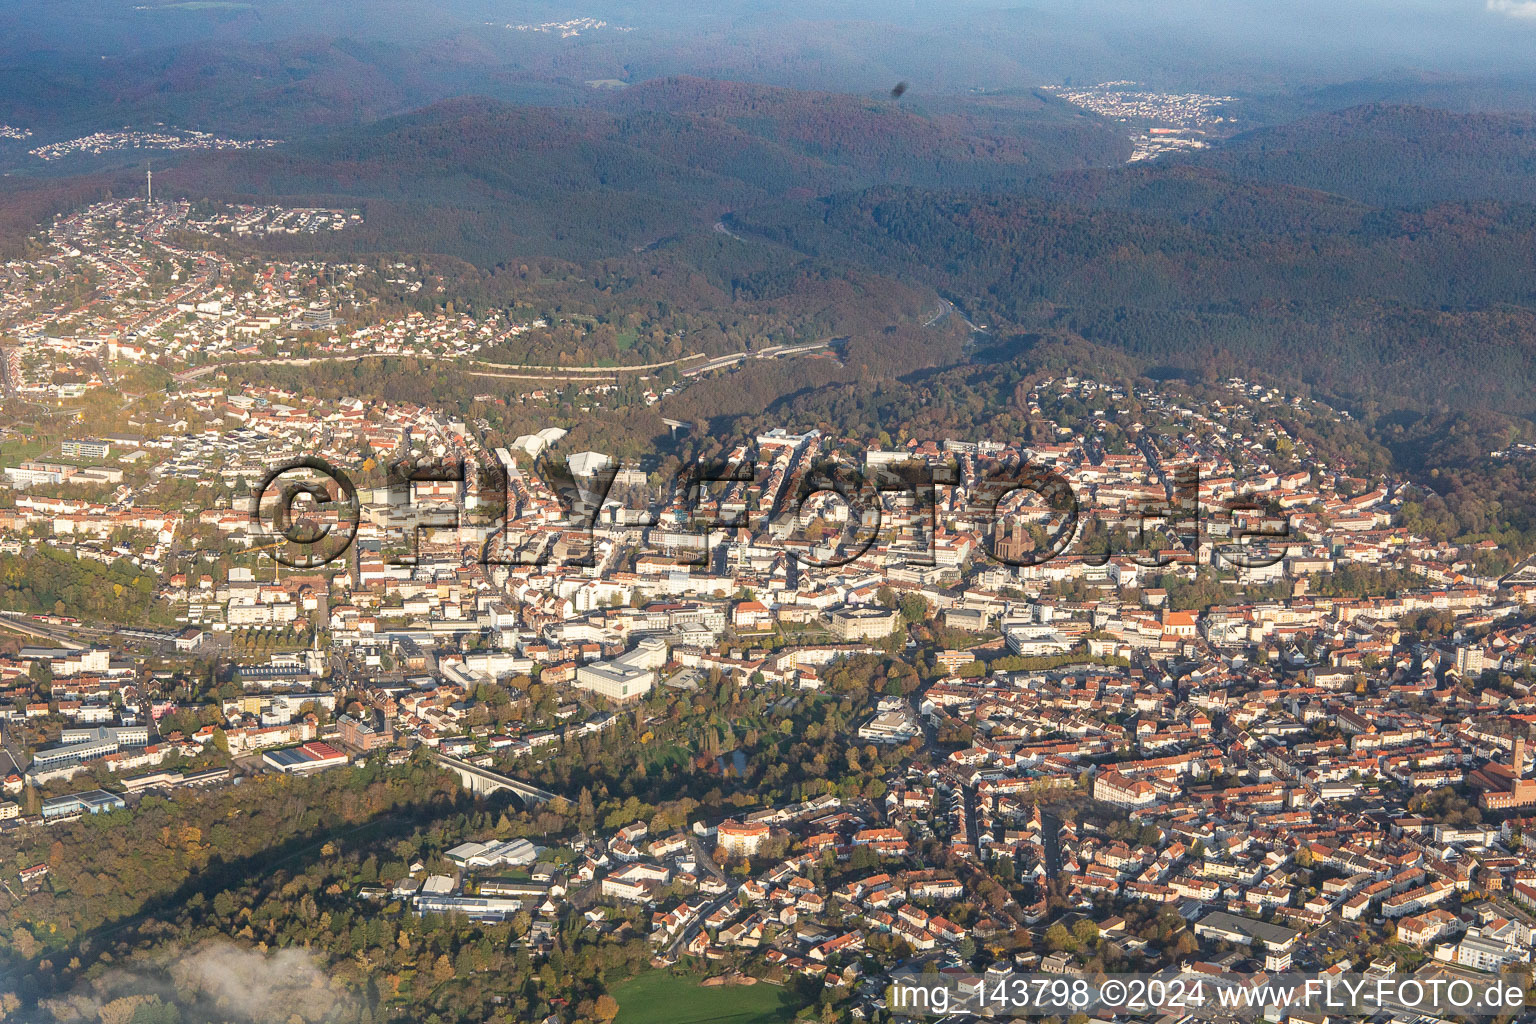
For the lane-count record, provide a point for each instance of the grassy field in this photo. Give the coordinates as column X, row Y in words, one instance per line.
column 16, row 450
column 658, row 997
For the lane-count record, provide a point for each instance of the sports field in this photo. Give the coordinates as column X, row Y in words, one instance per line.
column 658, row 997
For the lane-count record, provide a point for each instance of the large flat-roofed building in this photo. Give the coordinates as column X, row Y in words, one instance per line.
column 67, row 662
column 38, row 474
column 87, row 448
column 615, row 681
column 72, row 753
column 512, row 853
column 891, row 723
column 311, row 757
column 317, row 316
column 1226, row 927
column 476, row 908
column 1484, row 952
column 122, row 735
column 97, row 801
column 1031, row 641
column 628, row 676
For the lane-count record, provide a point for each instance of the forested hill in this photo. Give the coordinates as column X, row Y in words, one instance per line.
column 1202, row 198
column 478, row 177
column 892, row 142
column 1391, row 155
column 1408, row 308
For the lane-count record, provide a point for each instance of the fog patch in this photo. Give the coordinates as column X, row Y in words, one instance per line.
column 216, row 981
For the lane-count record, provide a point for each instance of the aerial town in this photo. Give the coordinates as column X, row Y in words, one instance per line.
column 1237, row 709
column 157, row 138
column 1160, row 122
column 156, row 299
column 569, row 29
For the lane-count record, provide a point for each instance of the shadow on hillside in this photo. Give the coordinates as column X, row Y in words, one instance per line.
column 86, row 950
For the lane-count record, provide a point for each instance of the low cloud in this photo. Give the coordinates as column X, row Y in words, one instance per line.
column 218, row 980
column 255, row 986
column 1514, row 8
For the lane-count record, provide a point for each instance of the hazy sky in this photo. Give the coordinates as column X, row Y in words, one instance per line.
column 940, row 45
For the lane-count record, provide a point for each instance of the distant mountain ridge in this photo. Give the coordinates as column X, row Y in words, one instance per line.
column 891, row 142
column 603, row 178
column 1390, row 155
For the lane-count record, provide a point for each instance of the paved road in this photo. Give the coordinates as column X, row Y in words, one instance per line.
column 1050, row 838
column 682, row 938
column 972, row 829
column 720, row 362
column 720, row 228
column 703, row 859
column 55, row 634
column 529, row 370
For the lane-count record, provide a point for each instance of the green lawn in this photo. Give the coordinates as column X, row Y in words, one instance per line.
column 17, row 450
column 661, row 756
column 658, row 997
